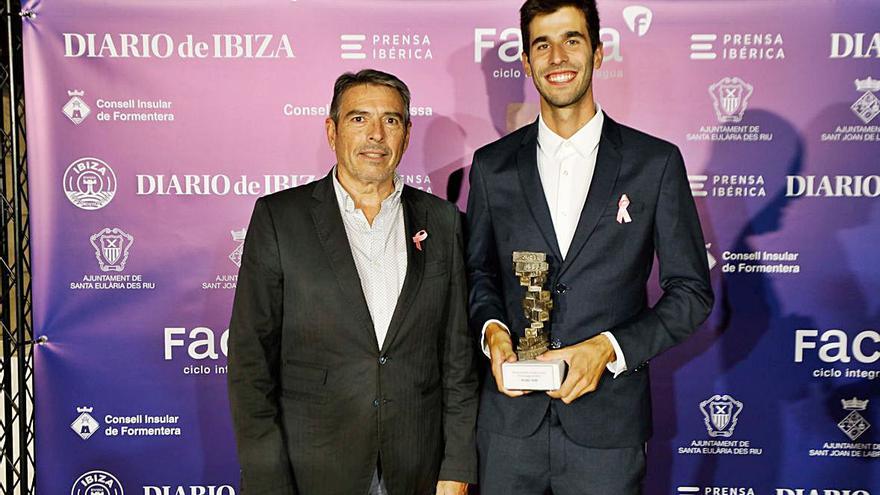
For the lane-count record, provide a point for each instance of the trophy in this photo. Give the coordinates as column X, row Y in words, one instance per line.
column 528, row 373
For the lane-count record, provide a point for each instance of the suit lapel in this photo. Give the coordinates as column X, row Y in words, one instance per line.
column 334, row 240
column 530, row 180
column 414, row 219
column 601, row 188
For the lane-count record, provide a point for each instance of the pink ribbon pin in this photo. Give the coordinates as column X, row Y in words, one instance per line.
column 622, row 214
column 419, row 237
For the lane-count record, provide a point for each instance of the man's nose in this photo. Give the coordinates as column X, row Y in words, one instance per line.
column 558, row 54
column 377, row 131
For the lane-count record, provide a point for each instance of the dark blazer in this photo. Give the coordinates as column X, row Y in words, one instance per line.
column 314, row 400
column 601, row 284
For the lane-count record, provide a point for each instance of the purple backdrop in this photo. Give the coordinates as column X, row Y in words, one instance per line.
column 153, row 126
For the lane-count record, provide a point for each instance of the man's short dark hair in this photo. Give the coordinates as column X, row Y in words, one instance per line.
column 534, row 8
column 368, row 76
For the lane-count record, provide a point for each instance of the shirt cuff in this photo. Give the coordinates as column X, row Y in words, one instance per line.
column 483, row 344
column 619, row 366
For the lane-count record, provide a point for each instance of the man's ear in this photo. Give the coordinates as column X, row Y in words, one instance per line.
column 330, row 126
column 598, row 56
column 524, row 58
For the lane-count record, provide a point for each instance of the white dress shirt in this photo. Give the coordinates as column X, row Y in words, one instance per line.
column 379, row 252
column 566, row 169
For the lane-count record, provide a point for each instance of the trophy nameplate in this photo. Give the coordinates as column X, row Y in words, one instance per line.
column 528, row 373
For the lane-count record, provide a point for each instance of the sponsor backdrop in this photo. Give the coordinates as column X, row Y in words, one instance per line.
column 155, row 125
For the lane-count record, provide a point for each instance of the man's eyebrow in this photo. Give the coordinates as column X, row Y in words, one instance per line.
column 355, row 111
column 567, row 35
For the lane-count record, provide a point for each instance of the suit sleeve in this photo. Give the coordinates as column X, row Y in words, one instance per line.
column 684, row 273
column 254, row 362
column 459, row 376
column 486, row 301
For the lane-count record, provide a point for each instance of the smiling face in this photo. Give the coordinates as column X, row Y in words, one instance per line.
column 561, row 59
column 370, row 136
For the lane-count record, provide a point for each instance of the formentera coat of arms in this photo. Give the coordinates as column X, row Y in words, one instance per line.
column 720, row 413
column 111, row 248
column 731, row 98
column 75, row 108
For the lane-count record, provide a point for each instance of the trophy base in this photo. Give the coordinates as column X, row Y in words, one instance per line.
column 533, row 375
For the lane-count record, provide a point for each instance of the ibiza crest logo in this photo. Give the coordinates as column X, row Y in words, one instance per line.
column 89, row 183
column 97, row 483
column 731, row 98
column 854, row 424
column 238, row 236
column 720, row 414
column 76, row 109
column 868, row 105
column 111, row 248
column 85, row 425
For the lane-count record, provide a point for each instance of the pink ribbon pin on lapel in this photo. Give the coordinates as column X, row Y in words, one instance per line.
column 622, row 213
column 419, row 237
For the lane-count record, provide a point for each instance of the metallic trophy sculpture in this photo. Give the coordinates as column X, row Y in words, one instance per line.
column 527, row 373
column 531, row 268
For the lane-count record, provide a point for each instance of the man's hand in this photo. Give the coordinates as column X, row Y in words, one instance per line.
column 452, row 488
column 586, row 363
column 501, row 351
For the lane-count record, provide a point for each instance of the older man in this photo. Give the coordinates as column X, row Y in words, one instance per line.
column 350, row 366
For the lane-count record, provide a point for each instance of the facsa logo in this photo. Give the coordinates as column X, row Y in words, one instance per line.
column 846, row 45
column 638, row 19
column 509, row 42
column 837, row 347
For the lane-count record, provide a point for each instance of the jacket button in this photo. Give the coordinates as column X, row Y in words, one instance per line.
column 376, row 403
column 383, row 359
column 561, row 288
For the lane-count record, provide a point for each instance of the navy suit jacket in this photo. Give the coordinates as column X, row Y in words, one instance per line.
column 602, row 282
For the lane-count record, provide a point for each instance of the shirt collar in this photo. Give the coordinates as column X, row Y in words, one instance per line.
column 346, row 202
column 585, row 140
